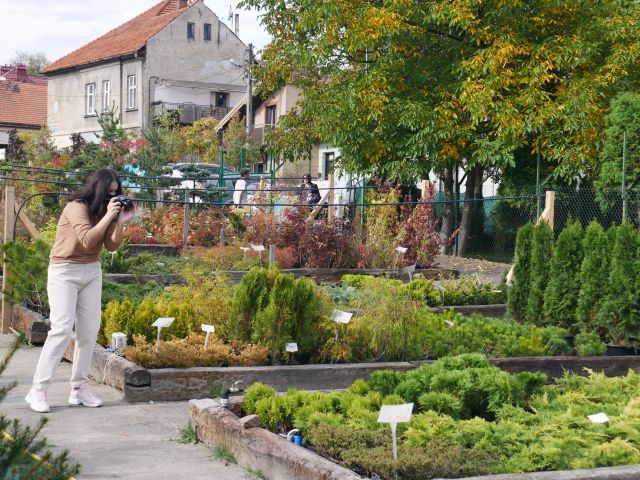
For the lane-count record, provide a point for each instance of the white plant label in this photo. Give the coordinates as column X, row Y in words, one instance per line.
column 163, row 322
column 449, row 322
column 339, row 316
column 410, row 269
column 208, row 328
column 401, row 249
column 258, row 248
column 292, row 347
column 245, row 249
column 598, row 417
column 395, row 413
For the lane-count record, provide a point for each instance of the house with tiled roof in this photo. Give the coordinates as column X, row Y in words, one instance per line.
column 174, row 56
column 23, row 102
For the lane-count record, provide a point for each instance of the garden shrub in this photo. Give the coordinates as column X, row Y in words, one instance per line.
column 469, row 290
column 16, row 454
column 423, row 290
column 136, row 292
column 251, row 296
column 518, row 293
column 384, row 381
column 561, row 293
column 441, row 402
column 328, row 244
column 190, row 352
column 619, row 313
column 541, row 253
column 593, row 277
column 332, row 441
column 27, row 267
column 589, row 344
column 253, row 394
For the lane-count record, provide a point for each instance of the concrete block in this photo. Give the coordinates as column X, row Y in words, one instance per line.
column 251, row 421
column 262, row 449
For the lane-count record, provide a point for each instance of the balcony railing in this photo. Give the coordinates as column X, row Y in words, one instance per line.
column 190, row 112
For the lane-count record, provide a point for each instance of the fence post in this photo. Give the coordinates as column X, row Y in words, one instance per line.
column 357, row 218
column 272, row 254
column 185, row 219
column 331, row 196
column 549, row 207
column 9, row 222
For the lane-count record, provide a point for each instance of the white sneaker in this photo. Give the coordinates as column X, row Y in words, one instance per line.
column 83, row 396
column 37, row 400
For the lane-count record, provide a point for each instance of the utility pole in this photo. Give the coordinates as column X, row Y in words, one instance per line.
column 250, row 93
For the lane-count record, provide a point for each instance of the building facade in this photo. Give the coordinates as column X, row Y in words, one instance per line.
column 175, row 56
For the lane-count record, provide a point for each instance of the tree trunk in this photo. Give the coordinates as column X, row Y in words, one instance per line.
column 447, row 209
column 467, row 209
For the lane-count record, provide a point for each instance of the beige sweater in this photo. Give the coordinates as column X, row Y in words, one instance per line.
column 78, row 240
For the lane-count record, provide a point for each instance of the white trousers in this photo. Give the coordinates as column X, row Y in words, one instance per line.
column 75, row 291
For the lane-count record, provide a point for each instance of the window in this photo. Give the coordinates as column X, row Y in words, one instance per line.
column 218, row 99
column 328, row 164
column 270, row 116
column 106, row 94
column 191, row 31
column 207, row 32
column 131, row 92
column 90, row 98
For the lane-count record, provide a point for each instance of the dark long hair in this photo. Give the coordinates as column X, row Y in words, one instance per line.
column 96, row 192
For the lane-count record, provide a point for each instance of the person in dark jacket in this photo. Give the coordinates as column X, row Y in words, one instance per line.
column 309, row 192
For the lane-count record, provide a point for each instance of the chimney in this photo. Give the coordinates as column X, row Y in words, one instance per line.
column 237, row 24
column 21, row 72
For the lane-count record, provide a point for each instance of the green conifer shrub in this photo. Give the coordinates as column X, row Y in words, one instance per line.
column 619, row 314
column 518, row 292
column 561, row 294
column 251, row 296
column 541, row 254
column 594, row 276
column 20, row 444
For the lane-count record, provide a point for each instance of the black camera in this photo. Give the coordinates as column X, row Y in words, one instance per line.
column 126, row 202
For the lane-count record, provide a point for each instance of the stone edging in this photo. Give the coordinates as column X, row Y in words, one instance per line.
column 259, row 448
column 171, row 384
column 497, row 310
column 31, row 323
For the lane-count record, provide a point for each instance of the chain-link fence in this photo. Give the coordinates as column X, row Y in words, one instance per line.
column 492, row 227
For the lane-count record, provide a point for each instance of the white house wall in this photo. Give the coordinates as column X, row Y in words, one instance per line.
column 66, row 108
column 180, row 70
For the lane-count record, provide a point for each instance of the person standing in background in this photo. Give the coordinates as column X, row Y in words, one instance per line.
column 240, row 189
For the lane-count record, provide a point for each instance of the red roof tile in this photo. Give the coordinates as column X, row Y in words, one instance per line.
column 23, row 103
column 125, row 39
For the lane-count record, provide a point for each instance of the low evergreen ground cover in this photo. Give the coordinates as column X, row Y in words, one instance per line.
column 469, row 418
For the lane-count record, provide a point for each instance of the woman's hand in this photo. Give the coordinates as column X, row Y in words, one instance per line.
column 124, row 217
column 113, row 208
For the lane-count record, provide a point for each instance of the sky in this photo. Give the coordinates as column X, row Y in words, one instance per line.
column 57, row 27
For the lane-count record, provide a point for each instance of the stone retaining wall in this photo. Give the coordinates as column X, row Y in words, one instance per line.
column 31, row 323
column 259, row 448
column 497, row 310
column 170, row 384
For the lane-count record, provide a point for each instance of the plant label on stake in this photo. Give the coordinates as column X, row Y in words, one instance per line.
column 160, row 323
column 259, row 249
column 244, row 251
column 438, row 286
column 598, row 417
column 209, row 329
column 394, row 414
column 292, row 347
column 401, row 249
column 340, row 316
column 409, row 271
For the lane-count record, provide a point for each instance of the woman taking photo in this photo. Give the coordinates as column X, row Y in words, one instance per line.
column 93, row 217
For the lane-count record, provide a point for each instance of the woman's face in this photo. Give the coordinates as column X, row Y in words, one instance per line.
column 113, row 189
column 306, row 179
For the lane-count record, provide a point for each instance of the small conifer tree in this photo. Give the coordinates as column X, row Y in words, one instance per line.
column 594, row 277
column 251, row 296
column 518, row 292
column 541, row 253
column 619, row 314
column 561, row 294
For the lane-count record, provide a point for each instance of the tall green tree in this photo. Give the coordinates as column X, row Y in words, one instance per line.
column 518, row 292
column 561, row 294
column 619, row 315
column 35, row 62
column 593, row 277
column 541, row 253
column 406, row 87
column 623, row 116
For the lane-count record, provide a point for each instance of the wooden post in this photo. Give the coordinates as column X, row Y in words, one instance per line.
column 549, row 207
column 185, row 220
column 357, row 218
column 424, row 187
column 9, row 222
column 331, row 197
